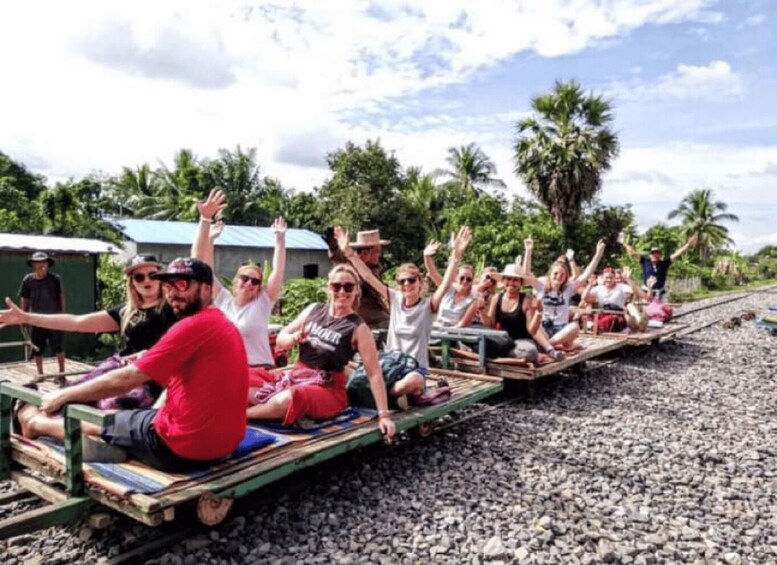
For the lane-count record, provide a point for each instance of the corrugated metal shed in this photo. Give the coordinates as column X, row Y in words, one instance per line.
column 24, row 242
column 182, row 233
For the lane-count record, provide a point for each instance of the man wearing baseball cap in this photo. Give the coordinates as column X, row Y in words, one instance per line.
column 655, row 266
column 200, row 361
column 41, row 292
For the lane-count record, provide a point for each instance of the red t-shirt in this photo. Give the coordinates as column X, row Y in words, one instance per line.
column 202, row 363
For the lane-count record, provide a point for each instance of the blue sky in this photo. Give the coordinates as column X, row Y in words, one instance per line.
column 103, row 85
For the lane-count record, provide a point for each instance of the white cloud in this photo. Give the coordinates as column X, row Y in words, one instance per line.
column 714, row 82
column 755, row 20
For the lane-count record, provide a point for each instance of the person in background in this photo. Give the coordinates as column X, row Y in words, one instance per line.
column 555, row 291
column 250, row 303
column 459, row 304
column 654, row 265
column 41, row 292
column 368, row 246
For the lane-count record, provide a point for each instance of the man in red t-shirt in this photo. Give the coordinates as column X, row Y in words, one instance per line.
column 201, row 362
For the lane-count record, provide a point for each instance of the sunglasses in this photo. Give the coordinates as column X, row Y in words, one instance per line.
column 485, row 278
column 408, row 280
column 347, row 287
column 465, row 279
column 141, row 277
column 254, row 281
column 181, row 285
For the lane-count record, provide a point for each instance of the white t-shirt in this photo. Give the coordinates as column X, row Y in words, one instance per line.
column 410, row 328
column 555, row 305
column 614, row 296
column 450, row 312
column 252, row 321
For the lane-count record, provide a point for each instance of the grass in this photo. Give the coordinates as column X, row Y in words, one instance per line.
column 707, row 293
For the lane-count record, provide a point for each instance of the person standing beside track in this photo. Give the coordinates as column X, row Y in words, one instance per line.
column 41, row 292
column 655, row 266
column 201, row 361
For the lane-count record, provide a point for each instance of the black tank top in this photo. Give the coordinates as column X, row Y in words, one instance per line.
column 329, row 344
column 514, row 323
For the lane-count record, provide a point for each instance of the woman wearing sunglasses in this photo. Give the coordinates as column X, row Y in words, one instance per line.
column 141, row 321
column 555, row 291
column 411, row 314
column 459, row 304
column 250, row 303
column 328, row 336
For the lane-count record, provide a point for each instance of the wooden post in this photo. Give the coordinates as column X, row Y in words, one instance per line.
column 446, row 353
column 482, row 350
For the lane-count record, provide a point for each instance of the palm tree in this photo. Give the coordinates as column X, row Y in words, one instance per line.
column 701, row 214
column 426, row 197
column 238, row 174
column 562, row 151
column 174, row 191
column 470, row 168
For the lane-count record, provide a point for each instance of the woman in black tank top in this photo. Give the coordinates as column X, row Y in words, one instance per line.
column 328, row 336
column 513, row 312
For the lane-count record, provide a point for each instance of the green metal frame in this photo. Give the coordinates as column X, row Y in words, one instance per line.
column 374, row 435
column 77, row 504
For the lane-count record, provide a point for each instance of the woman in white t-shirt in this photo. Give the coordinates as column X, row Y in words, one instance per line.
column 411, row 314
column 249, row 305
column 611, row 296
column 459, row 304
column 555, row 291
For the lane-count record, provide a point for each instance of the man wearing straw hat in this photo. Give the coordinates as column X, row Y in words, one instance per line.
column 372, row 307
column 41, row 292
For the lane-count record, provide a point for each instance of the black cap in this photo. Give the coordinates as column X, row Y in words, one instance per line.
column 186, row 268
column 141, row 261
column 655, row 249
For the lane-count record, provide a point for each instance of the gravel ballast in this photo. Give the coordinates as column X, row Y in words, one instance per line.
column 668, row 455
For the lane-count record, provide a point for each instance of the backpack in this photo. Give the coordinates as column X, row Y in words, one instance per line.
column 393, row 364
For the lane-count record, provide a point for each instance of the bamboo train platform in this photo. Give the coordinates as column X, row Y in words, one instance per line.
column 519, row 369
column 75, row 489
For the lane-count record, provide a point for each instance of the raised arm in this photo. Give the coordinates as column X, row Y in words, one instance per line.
column 631, row 251
column 692, row 241
column 208, row 231
column 590, row 269
column 528, row 247
column 431, row 268
column 364, row 271
column 86, row 323
column 460, row 242
column 275, row 282
column 368, row 351
column 635, row 290
column 574, row 268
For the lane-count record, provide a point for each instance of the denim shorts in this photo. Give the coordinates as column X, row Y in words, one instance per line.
column 552, row 329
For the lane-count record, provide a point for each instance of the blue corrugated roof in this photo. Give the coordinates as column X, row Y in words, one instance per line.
column 182, row 233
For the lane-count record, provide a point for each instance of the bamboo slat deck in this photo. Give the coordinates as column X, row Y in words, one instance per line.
column 651, row 335
column 23, row 372
column 244, row 476
column 515, row 369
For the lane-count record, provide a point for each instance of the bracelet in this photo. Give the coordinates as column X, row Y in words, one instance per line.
column 206, row 220
column 384, row 413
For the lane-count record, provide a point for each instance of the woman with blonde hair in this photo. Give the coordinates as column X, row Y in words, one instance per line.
column 249, row 305
column 140, row 321
column 411, row 314
column 328, row 336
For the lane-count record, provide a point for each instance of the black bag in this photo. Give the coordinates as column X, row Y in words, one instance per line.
column 394, row 365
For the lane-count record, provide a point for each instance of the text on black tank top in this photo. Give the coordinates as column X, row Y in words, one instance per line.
column 330, row 340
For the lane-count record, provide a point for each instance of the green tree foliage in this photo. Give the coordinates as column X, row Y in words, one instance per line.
column 237, row 173
column 365, row 192
column 19, row 189
column 470, row 169
column 701, row 214
column 562, row 151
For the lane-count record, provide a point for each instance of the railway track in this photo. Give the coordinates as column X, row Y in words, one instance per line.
column 187, row 528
